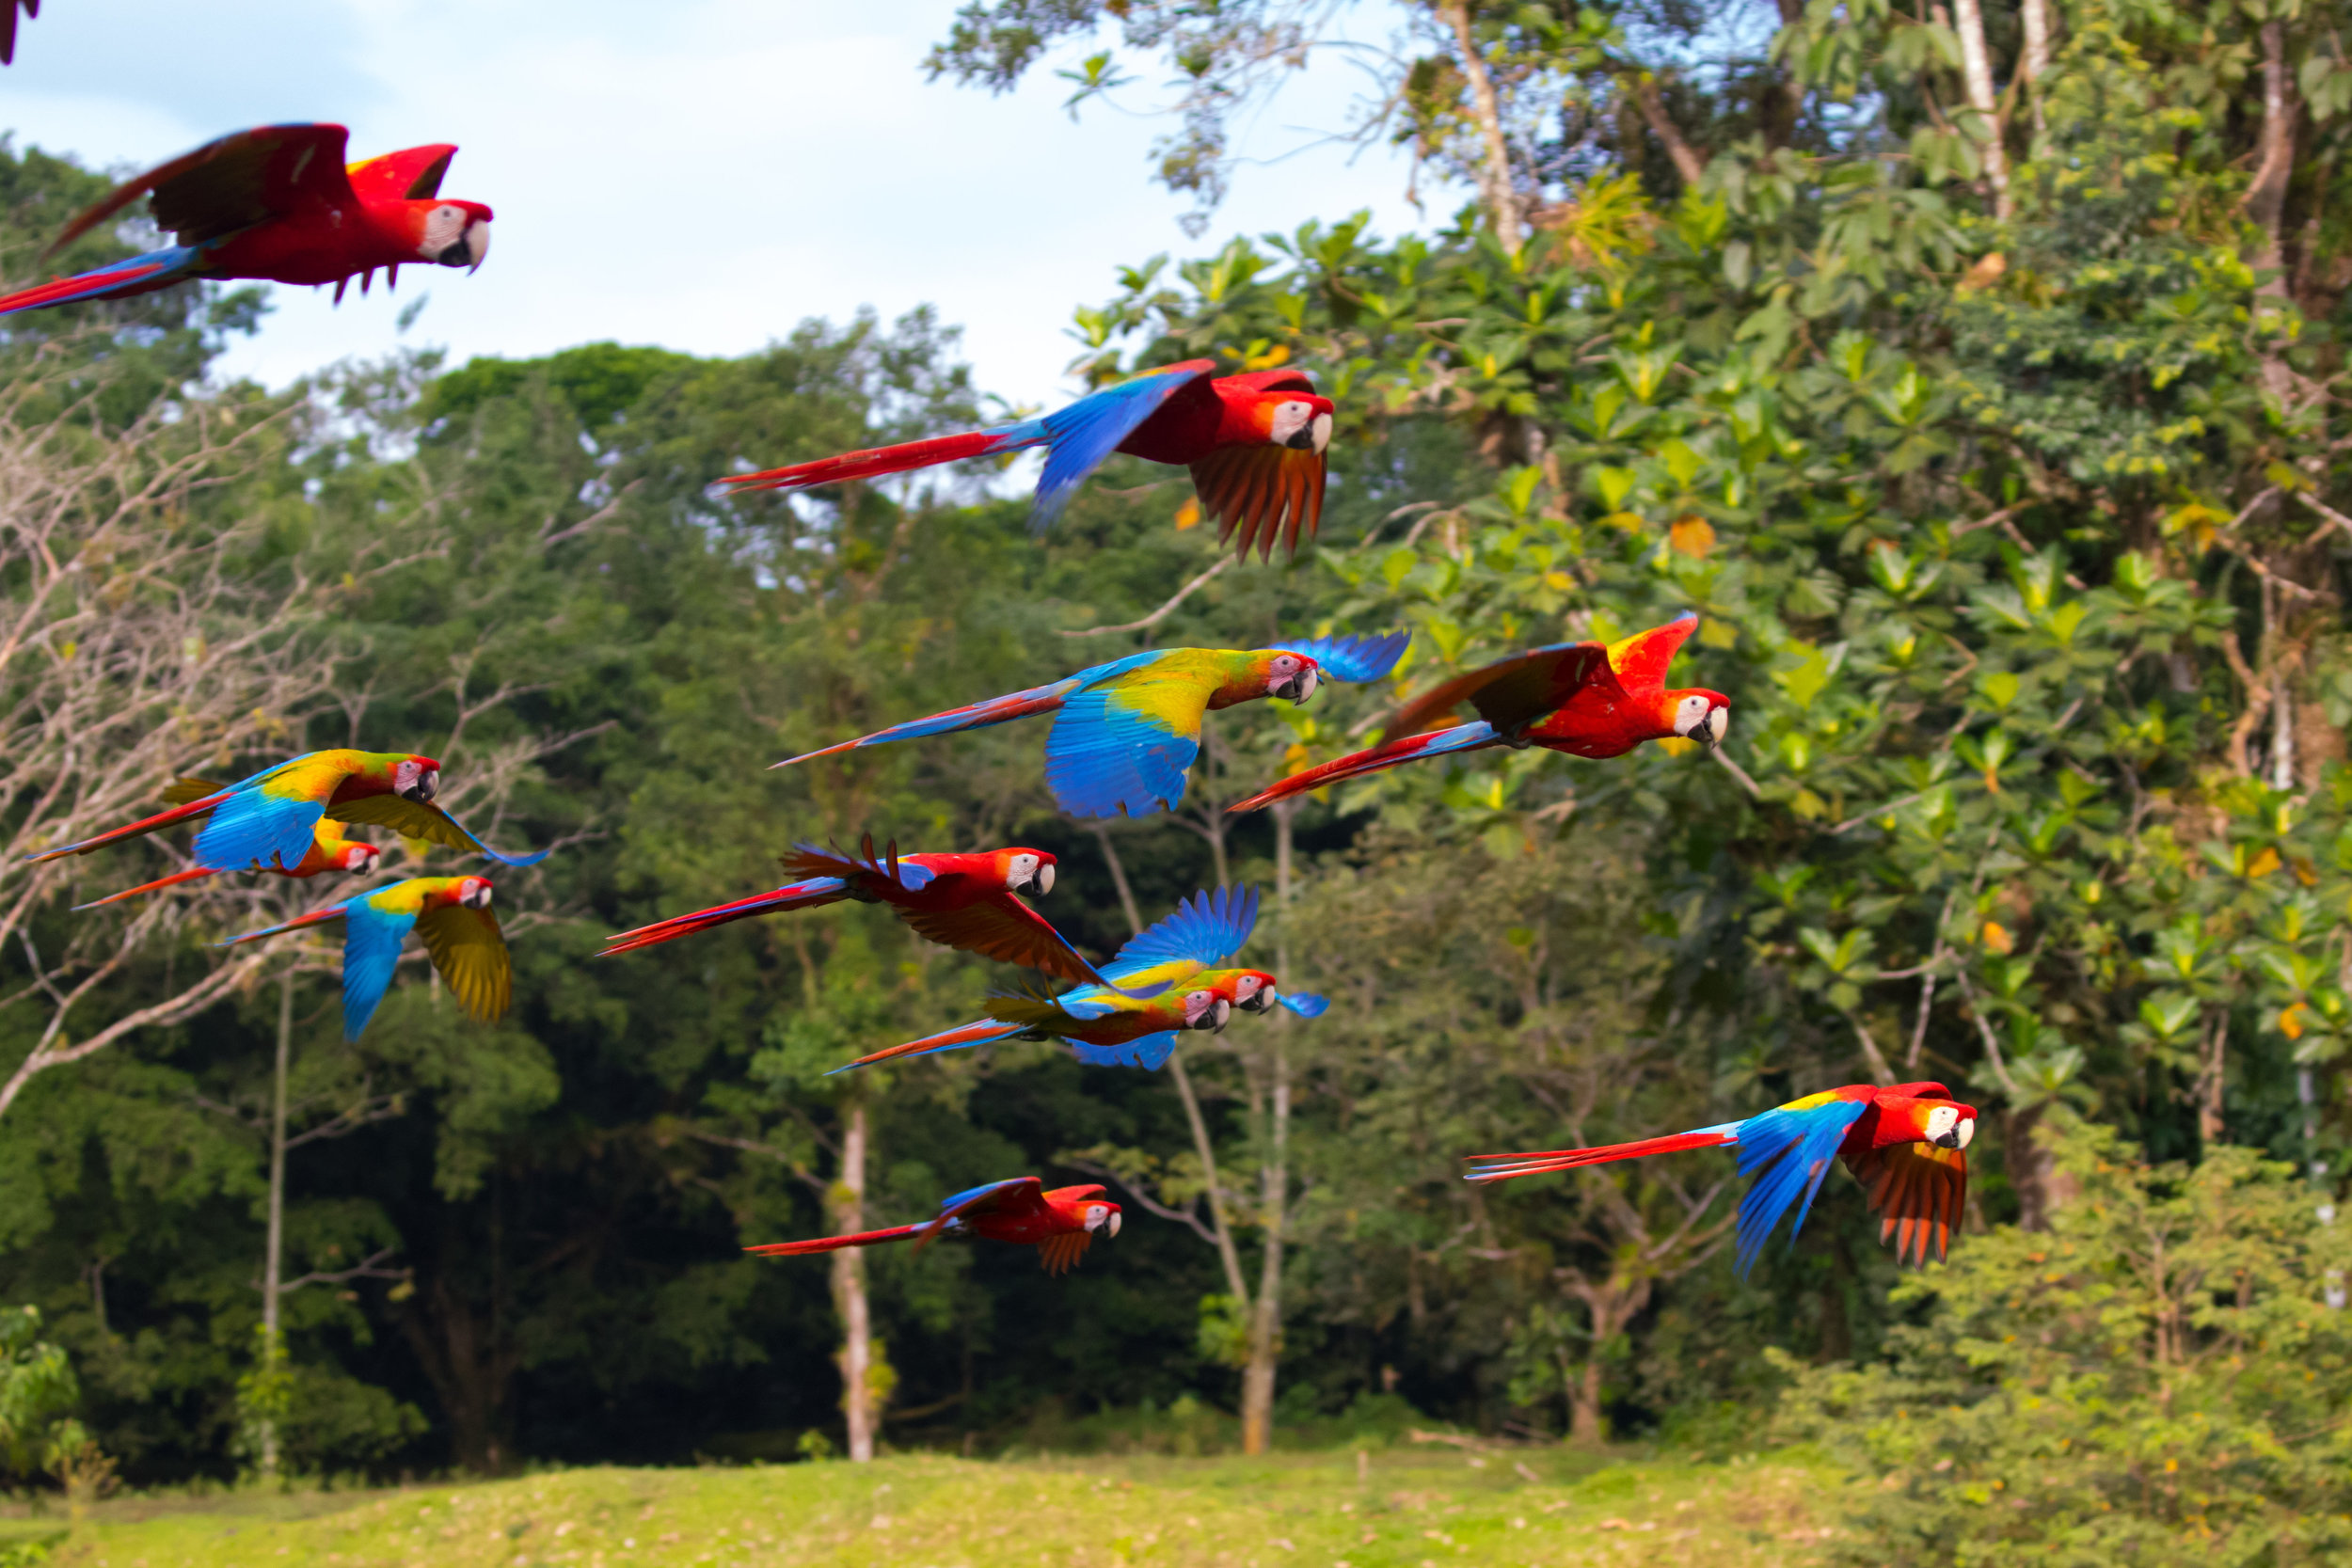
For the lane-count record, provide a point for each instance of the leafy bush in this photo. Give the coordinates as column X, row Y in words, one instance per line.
column 2155, row 1379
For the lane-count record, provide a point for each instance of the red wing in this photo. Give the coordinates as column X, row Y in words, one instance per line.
column 1641, row 660
column 1290, row 380
column 1003, row 927
column 1511, row 692
column 230, row 184
column 1015, row 1195
column 1059, row 1254
column 1917, row 1190
column 412, row 174
column 1256, row 492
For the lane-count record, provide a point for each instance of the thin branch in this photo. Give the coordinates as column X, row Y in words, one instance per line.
column 369, row 1267
column 1165, row 611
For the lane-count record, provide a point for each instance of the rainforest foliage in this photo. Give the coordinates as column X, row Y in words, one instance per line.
column 1974, row 375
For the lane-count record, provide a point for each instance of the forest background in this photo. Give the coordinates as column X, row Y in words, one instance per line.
column 1976, row 375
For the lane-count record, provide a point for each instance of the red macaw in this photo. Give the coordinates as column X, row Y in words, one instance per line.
column 1255, row 444
column 451, row 914
column 1128, row 731
column 329, row 852
column 267, row 822
column 277, row 203
column 1906, row 1143
column 967, row 902
column 1060, row 1224
column 7, row 25
column 1583, row 698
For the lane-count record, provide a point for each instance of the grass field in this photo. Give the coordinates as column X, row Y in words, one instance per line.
column 1391, row 1509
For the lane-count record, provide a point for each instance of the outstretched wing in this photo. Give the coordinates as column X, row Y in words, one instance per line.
column 1149, row 1052
column 1917, row 1190
column 411, row 174
column 1003, row 927
column 1436, row 743
column 1124, row 744
column 1008, row 1197
column 973, row 715
column 233, row 183
column 1355, row 658
column 471, row 952
column 1306, row 1004
column 1641, row 660
column 1083, row 435
column 1793, row 1147
column 421, row 820
column 816, row 860
column 1515, row 691
column 371, row 939
column 1206, row 930
column 1256, row 493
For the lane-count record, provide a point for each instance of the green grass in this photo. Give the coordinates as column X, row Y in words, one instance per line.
column 1413, row 1508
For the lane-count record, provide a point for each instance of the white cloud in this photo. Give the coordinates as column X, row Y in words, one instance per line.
column 699, row 175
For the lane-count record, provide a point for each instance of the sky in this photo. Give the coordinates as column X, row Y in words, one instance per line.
column 698, row 174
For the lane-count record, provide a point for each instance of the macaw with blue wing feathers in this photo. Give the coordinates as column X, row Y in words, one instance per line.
column 277, row 203
column 1906, row 1143
column 451, row 914
column 1255, row 444
column 970, row 902
column 1168, row 980
column 1586, row 699
column 269, row 821
column 1125, row 733
column 1061, row 1224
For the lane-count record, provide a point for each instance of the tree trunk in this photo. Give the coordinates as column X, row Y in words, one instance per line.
column 1502, row 200
column 1686, row 158
column 846, row 1206
column 1610, row 1307
column 1975, row 67
column 1265, row 1319
column 2210, row 1130
column 1780, row 128
column 470, row 1372
column 274, row 1247
column 2267, row 198
column 2035, row 17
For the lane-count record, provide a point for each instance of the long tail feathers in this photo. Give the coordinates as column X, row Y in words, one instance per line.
column 1462, row 737
column 834, row 1244
column 799, row 895
column 899, row 459
column 145, row 825
column 987, row 1030
column 140, row 274
column 1503, row 1168
column 332, row 912
column 173, row 880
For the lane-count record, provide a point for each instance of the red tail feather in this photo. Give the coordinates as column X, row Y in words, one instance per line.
column 172, row 881
column 834, row 1244
column 878, row 460
column 1503, row 1168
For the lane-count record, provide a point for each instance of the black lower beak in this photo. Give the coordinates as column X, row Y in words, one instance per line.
column 417, row 793
column 456, row 253
column 1303, row 442
column 1948, row 1140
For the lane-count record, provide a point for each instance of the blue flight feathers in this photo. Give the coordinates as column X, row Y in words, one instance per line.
column 1355, row 658
column 1207, row 930
column 1793, row 1149
column 1081, row 438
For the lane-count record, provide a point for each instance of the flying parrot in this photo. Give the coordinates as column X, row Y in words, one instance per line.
column 968, row 902
column 7, row 25
column 329, row 852
column 1906, row 1143
column 1583, row 698
column 1127, row 731
column 451, row 914
column 277, row 203
column 1061, row 1224
column 1168, row 980
column 1255, row 444
column 269, row 821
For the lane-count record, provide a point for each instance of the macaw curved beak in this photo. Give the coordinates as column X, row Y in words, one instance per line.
column 1299, row 686
column 470, row 249
column 1717, row 725
column 1261, row 1003
column 427, row 786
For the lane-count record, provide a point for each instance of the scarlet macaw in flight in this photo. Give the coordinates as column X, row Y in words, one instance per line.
column 1583, row 698
column 451, row 914
column 268, row 821
column 329, row 852
column 1167, row 979
column 1060, row 1224
column 1255, row 444
column 278, row 205
column 1906, row 1143
column 1128, row 731
column 967, row 902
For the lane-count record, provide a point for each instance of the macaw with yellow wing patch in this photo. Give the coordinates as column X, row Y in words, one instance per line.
column 1168, row 980
column 1125, row 733
column 1906, row 1143
column 269, row 821
column 277, row 203
column 1255, row 444
column 1586, row 699
column 330, row 850
column 1061, row 1223
column 969, row 902
column 451, row 914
